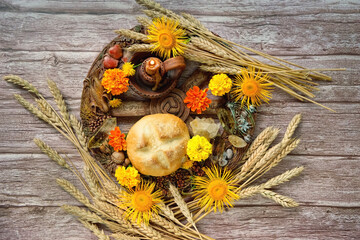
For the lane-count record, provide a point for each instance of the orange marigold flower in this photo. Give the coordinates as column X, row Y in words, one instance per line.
column 196, row 99
column 117, row 140
column 115, row 81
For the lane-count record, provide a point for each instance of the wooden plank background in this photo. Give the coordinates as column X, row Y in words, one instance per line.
column 60, row 40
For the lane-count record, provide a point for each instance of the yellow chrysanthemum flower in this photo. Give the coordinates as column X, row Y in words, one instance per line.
column 187, row 164
column 216, row 189
column 141, row 203
column 114, row 103
column 128, row 69
column 198, row 148
column 252, row 87
column 166, row 38
column 128, row 177
column 220, row 84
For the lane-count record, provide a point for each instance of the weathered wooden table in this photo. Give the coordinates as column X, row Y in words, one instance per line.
column 60, row 40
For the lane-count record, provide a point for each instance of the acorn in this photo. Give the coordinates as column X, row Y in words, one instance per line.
column 116, row 51
column 126, row 162
column 110, row 62
column 118, row 157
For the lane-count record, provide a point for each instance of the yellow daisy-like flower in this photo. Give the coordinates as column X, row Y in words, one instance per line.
column 114, row 103
column 187, row 164
column 220, row 84
column 128, row 69
column 252, row 87
column 166, row 38
column 128, row 177
column 198, row 148
column 141, row 203
column 216, row 189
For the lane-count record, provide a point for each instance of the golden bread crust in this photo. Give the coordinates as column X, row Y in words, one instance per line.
column 156, row 144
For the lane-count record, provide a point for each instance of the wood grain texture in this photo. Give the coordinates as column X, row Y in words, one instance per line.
column 60, row 40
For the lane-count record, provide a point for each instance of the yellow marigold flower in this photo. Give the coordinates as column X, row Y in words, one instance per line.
column 216, row 189
column 128, row 177
column 198, row 148
column 220, row 84
column 166, row 38
column 114, row 103
column 128, row 69
column 187, row 164
column 115, row 81
column 252, row 87
column 142, row 203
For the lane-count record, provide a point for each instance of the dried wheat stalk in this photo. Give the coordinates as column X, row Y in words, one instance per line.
column 140, row 48
column 144, row 21
column 46, row 109
column 73, row 191
column 294, row 123
column 131, row 34
column 121, row 236
column 83, row 214
column 54, row 155
column 219, row 69
column 31, row 108
column 204, row 44
column 183, row 206
column 22, row 83
column 280, row 199
column 99, row 233
column 286, row 176
column 77, row 126
column 266, row 134
column 59, row 101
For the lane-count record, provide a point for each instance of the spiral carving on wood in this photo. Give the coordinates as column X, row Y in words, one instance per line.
column 172, row 103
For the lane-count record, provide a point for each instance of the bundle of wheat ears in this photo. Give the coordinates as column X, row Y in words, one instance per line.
column 218, row 55
column 176, row 218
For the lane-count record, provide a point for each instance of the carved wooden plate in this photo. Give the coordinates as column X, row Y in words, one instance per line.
column 95, row 110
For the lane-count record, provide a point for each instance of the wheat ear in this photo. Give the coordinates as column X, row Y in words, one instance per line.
column 91, row 180
column 183, row 206
column 22, row 83
column 53, row 154
column 131, row 34
column 78, row 128
column 285, row 151
column 250, row 191
column 253, row 159
column 286, row 176
column 83, row 214
column 117, row 215
column 169, row 213
column 204, row 44
column 140, row 48
column 99, row 233
column 146, row 22
column 73, row 191
column 220, row 69
column 31, row 108
column 267, row 133
column 152, row 5
column 280, row 199
column 193, row 57
column 59, row 99
column 168, row 225
column 45, row 108
column 121, row 236
column 294, row 123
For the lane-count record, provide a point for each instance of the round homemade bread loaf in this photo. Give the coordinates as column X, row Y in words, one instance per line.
column 156, row 144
